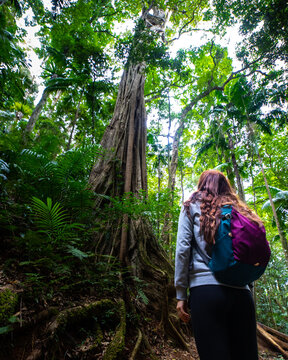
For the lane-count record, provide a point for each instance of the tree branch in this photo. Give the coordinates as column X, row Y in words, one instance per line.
column 163, row 89
column 106, row 32
column 220, row 88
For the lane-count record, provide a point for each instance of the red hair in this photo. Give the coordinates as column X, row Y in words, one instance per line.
column 214, row 190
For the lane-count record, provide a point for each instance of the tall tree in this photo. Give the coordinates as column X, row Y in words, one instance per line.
column 77, row 58
column 122, row 168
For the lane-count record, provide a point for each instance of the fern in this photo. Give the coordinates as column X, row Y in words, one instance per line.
column 49, row 219
column 4, row 167
column 142, row 296
column 76, row 252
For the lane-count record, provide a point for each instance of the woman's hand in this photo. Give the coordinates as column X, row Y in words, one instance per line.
column 182, row 310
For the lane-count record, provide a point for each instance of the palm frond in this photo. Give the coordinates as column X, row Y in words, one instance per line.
column 7, row 115
column 4, row 168
column 207, row 144
column 49, row 218
column 57, row 55
column 264, row 126
column 60, row 83
column 280, row 198
column 263, row 187
column 222, row 167
column 266, row 204
column 281, row 195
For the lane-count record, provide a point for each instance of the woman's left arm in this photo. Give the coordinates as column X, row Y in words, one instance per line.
column 182, row 257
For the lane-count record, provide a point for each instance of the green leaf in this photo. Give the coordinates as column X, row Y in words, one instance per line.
column 49, row 218
column 5, row 329
column 76, row 252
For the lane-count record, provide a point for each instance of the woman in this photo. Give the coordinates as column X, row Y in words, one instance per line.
column 223, row 317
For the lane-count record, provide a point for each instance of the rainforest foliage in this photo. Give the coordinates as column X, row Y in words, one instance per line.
column 209, row 105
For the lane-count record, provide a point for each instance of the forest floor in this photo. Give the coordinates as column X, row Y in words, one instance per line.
column 166, row 350
column 169, row 352
column 162, row 347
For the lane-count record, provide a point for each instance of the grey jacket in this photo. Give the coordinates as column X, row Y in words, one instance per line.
column 190, row 267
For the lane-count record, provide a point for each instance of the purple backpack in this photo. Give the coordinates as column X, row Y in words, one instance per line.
column 241, row 252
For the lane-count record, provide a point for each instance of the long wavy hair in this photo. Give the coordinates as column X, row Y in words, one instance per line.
column 214, row 190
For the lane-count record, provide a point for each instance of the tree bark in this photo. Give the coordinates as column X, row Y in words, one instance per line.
column 122, row 167
column 181, row 182
column 74, row 122
column 253, row 185
column 167, row 226
column 121, row 170
column 159, row 174
column 236, row 168
column 124, row 141
column 36, row 113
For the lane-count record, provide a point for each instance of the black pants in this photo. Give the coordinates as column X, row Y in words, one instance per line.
column 224, row 324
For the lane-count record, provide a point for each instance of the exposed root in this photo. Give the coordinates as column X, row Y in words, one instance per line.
column 66, row 320
column 35, row 355
column 137, row 345
column 274, row 341
column 118, row 342
column 152, row 356
column 77, row 314
column 280, row 336
column 177, row 335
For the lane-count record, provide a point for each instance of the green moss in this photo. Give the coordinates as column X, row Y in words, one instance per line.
column 98, row 337
column 77, row 314
column 118, row 342
column 8, row 302
column 105, row 311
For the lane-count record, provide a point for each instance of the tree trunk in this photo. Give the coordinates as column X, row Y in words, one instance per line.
column 167, row 226
column 159, row 174
column 122, row 166
column 124, row 141
column 280, row 231
column 74, row 122
column 252, row 184
column 121, row 171
column 182, row 184
column 36, row 113
column 236, row 168
column 179, row 131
